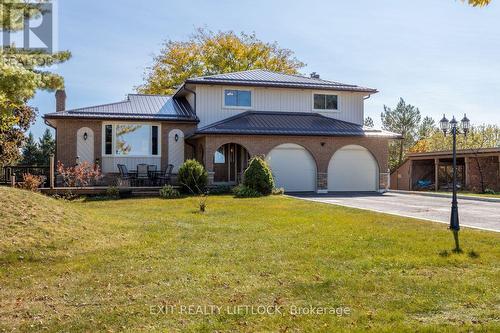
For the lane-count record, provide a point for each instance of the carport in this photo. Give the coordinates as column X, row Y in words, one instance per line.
column 477, row 169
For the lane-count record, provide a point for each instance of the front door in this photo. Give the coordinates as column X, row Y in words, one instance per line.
column 229, row 162
column 85, row 145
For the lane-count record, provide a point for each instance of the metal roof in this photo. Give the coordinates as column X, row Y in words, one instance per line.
column 260, row 77
column 290, row 123
column 449, row 153
column 136, row 106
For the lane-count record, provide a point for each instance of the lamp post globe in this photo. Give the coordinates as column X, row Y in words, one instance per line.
column 444, row 124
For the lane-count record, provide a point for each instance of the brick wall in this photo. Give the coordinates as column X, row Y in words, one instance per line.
column 66, row 138
column 321, row 148
column 490, row 170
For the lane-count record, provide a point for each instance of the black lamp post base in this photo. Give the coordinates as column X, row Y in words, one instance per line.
column 457, row 248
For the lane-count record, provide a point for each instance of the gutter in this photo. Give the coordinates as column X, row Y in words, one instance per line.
column 282, row 85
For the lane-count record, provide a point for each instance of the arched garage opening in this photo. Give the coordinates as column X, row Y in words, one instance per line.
column 293, row 167
column 353, row 168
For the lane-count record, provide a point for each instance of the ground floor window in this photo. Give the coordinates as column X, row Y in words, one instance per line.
column 129, row 139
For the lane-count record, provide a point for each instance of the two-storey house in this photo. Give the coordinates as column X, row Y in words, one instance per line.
column 309, row 130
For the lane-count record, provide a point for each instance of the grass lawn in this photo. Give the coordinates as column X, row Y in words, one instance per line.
column 137, row 264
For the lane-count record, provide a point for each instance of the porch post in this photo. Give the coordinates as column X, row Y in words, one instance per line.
column 410, row 176
column 209, row 161
column 467, row 183
column 51, row 171
column 436, row 174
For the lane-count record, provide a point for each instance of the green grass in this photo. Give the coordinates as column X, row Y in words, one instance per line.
column 104, row 265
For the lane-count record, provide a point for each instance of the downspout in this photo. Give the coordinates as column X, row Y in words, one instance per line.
column 367, row 97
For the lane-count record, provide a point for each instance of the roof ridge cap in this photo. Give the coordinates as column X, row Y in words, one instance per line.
column 156, row 95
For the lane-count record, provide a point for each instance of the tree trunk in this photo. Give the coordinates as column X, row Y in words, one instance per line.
column 401, row 146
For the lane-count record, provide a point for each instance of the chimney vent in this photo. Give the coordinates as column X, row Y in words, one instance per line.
column 60, row 100
column 314, row 75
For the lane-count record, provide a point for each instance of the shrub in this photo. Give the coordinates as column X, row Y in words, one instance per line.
column 220, row 189
column 489, row 191
column 242, row 191
column 169, row 192
column 113, row 192
column 258, row 176
column 278, row 191
column 193, row 177
column 31, row 182
column 81, row 175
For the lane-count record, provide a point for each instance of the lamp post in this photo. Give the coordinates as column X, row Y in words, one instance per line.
column 452, row 126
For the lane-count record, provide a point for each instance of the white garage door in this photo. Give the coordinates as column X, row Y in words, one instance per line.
column 352, row 168
column 293, row 168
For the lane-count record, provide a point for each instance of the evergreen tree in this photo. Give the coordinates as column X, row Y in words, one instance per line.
column 369, row 122
column 30, row 151
column 22, row 73
column 405, row 120
column 47, row 146
column 426, row 128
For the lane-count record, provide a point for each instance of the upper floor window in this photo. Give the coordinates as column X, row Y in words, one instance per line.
column 237, row 98
column 325, row 102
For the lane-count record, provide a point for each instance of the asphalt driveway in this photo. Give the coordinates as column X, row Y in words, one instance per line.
column 474, row 214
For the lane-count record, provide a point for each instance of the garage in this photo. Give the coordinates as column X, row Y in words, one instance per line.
column 352, row 168
column 293, row 167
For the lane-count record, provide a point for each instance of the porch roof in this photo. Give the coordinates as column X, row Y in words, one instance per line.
column 290, row 123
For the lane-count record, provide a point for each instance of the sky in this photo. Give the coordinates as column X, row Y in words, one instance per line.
column 441, row 56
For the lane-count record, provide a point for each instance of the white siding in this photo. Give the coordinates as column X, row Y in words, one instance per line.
column 110, row 163
column 210, row 108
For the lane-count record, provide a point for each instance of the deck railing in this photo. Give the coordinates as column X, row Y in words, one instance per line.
column 7, row 172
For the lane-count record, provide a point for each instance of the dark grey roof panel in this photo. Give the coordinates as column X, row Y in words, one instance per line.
column 266, row 78
column 144, row 107
column 290, row 123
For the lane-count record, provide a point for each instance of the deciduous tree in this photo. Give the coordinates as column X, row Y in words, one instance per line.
column 207, row 53
column 478, row 3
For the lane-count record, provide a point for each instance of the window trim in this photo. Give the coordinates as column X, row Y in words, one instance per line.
column 113, row 138
column 251, row 90
column 337, row 110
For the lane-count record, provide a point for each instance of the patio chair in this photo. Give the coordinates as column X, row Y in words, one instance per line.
column 142, row 174
column 153, row 176
column 166, row 175
column 124, row 174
